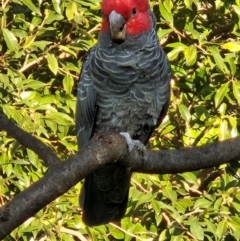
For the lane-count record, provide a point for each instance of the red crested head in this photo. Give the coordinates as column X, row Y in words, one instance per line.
column 125, row 17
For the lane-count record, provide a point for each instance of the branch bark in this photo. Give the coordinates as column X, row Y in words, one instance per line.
column 102, row 149
column 43, row 151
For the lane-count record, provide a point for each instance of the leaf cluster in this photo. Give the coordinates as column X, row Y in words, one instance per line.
column 41, row 47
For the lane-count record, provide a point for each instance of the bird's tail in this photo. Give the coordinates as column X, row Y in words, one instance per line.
column 104, row 195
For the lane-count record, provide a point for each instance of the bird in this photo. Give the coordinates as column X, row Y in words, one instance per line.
column 124, row 86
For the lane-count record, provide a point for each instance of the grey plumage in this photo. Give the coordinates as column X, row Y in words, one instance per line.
column 125, row 88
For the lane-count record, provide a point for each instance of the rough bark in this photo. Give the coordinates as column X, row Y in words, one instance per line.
column 44, row 152
column 102, row 149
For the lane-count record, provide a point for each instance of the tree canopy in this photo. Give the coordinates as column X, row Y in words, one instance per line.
column 42, row 44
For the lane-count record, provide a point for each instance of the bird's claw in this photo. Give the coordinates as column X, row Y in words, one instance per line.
column 131, row 143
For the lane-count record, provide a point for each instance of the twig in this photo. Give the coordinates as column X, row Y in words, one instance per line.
column 30, row 64
column 193, row 212
column 65, row 72
column 189, row 40
column 126, row 232
column 39, row 59
column 95, row 28
column 193, row 189
column 167, row 219
column 200, row 136
column 74, row 233
column 4, row 4
column 139, row 185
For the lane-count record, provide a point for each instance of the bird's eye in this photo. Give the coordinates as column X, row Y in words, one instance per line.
column 134, row 11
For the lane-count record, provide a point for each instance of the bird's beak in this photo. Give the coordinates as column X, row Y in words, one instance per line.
column 117, row 26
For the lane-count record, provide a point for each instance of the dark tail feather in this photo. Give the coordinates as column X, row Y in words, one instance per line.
column 103, row 198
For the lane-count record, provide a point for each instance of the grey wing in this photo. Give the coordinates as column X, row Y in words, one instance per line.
column 163, row 70
column 166, row 75
column 86, row 102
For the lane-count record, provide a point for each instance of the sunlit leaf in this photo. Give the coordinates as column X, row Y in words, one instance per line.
column 197, row 230
column 68, row 83
column 30, row 5
column 202, row 203
column 218, row 58
column 166, row 12
column 188, row 4
column 236, row 91
column 190, row 55
column 184, row 112
column 220, row 94
column 10, row 39
column 221, row 228
column 52, row 63
column 231, row 46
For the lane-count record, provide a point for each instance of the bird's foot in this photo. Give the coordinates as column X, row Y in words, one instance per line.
column 131, row 143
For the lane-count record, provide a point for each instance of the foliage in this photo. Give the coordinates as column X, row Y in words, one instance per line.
column 41, row 43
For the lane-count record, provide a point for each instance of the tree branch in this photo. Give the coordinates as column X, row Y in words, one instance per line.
column 102, row 149
column 43, row 151
column 184, row 159
column 60, row 178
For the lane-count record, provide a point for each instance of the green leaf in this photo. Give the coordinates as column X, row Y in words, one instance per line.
column 210, row 226
column 166, row 13
column 162, row 33
column 56, row 4
column 59, row 118
column 184, row 113
column 28, row 95
column 232, row 65
column 29, row 41
column 170, row 194
column 188, row 3
column 218, row 59
column 231, row 46
column 32, row 157
column 68, row 50
column 30, row 83
column 11, row 112
column 145, row 198
column 221, row 93
column 155, row 207
column 236, row 9
column 68, row 83
column 41, row 44
column 221, row 228
column 70, row 10
column 31, row 6
column 223, row 130
column 52, row 63
column 234, row 222
column 236, row 91
column 218, row 204
column 222, row 109
column 116, row 233
column 10, row 40
column 197, row 230
column 189, row 177
column 173, row 54
column 236, row 206
column 236, row 235
column 4, row 80
column 190, row 54
column 202, row 203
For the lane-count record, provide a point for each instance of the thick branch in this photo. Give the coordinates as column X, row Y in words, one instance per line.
column 43, row 151
column 185, row 159
column 105, row 148
column 59, row 179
